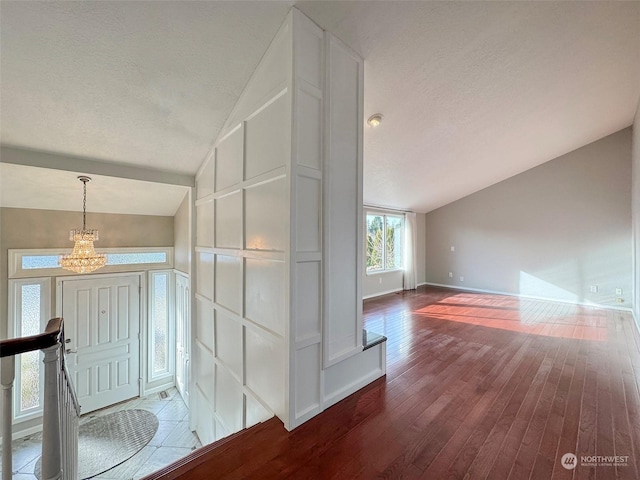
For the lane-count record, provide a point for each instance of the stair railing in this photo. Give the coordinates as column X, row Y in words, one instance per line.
column 60, row 410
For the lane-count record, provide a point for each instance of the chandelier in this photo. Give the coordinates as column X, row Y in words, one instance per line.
column 84, row 258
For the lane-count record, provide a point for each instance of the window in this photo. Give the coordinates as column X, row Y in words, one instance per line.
column 161, row 356
column 36, row 263
column 51, row 261
column 29, row 311
column 136, row 258
column 30, row 262
column 385, row 240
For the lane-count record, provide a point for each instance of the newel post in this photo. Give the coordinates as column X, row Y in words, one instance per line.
column 8, row 374
column 51, row 448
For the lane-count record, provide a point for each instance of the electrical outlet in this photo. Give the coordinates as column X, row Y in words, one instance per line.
column 461, row 278
column 453, row 249
column 450, row 274
column 618, row 291
column 380, row 280
column 593, row 289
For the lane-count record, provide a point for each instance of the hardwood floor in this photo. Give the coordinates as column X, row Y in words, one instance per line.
column 478, row 386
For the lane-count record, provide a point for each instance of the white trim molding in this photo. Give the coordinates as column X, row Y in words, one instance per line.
column 15, row 330
column 17, row 270
column 532, row 297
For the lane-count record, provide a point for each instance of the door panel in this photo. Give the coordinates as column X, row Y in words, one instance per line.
column 183, row 320
column 102, row 323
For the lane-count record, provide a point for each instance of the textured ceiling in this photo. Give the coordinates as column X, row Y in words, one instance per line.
column 471, row 92
column 147, row 83
column 475, row 92
column 32, row 187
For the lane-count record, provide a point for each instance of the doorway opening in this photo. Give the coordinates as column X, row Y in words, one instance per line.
column 127, row 329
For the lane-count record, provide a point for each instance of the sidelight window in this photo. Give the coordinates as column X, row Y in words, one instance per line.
column 29, row 309
column 161, row 331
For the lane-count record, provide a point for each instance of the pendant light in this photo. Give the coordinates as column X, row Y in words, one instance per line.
column 84, row 258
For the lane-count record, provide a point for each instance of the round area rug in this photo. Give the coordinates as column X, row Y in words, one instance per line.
column 107, row 441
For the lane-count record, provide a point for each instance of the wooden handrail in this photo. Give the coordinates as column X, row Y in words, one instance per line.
column 60, row 406
column 51, row 335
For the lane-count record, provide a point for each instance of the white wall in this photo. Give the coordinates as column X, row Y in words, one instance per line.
column 326, row 360
column 305, row 267
column 182, row 236
column 277, row 276
column 636, row 213
column 242, row 240
column 376, row 284
column 550, row 232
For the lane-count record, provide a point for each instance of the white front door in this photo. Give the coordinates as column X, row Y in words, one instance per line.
column 102, row 325
column 182, row 335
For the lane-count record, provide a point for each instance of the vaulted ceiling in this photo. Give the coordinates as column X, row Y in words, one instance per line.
column 471, row 92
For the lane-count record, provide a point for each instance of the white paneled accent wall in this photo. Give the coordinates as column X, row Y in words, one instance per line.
column 305, row 372
column 242, row 214
column 343, row 201
column 263, row 322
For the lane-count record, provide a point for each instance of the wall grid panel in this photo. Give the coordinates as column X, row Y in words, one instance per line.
column 305, row 341
column 292, row 143
column 242, row 219
column 343, row 203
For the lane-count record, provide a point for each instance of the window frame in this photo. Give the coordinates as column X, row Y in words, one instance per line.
column 169, row 371
column 14, row 330
column 384, row 215
column 15, row 269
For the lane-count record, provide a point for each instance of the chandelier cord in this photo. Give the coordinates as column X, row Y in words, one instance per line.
column 84, row 205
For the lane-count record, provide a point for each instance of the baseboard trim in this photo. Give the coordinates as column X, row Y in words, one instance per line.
column 532, row 297
column 15, row 435
column 157, row 389
column 637, row 329
column 379, row 294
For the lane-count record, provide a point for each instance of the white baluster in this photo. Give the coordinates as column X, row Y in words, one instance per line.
column 51, row 448
column 7, row 377
column 69, row 426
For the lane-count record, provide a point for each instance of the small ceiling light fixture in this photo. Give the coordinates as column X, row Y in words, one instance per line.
column 374, row 120
column 84, row 258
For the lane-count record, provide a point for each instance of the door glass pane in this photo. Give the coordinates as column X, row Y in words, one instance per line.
column 136, row 258
column 160, row 323
column 39, row 261
column 394, row 242
column 375, row 244
column 30, row 362
column 30, row 262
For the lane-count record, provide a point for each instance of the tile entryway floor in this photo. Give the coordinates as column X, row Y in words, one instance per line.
column 172, row 441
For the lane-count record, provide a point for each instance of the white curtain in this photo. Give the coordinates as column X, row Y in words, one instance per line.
column 410, row 240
